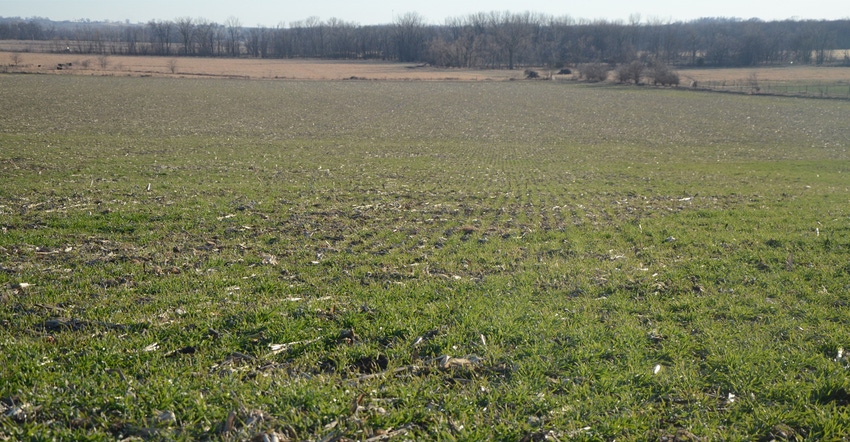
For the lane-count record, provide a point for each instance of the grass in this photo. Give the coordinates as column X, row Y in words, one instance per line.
column 807, row 89
column 223, row 259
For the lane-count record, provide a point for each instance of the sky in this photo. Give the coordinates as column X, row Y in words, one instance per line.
column 273, row 12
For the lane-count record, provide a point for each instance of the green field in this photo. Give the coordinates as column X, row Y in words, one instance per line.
column 227, row 260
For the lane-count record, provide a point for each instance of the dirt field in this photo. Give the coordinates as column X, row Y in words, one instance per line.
column 187, row 67
column 241, row 68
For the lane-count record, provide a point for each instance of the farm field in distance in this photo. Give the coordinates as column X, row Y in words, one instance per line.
column 775, row 79
column 245, row 68
column 232, row 259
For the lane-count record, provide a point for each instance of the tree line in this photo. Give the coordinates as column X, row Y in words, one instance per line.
column 482, row 40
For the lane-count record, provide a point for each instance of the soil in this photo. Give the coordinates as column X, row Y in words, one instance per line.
column 304, row 69
column 251, row 68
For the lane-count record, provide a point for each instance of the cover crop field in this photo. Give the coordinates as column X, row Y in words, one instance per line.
column 186, row 259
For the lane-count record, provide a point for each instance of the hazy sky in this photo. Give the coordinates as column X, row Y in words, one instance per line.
column 273, row 12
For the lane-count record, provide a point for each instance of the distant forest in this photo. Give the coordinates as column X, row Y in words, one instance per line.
column 483, row 40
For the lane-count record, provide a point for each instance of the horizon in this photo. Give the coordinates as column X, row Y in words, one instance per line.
column 301, row 22
column 267, row 13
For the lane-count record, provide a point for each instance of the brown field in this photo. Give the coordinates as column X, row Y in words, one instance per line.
column 119, row 65
column 301, row 69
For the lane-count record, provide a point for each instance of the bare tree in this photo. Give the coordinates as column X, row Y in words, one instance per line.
column 220, row 39
column 458, row 45
column 16, row 57
column 823, row 42
column 161, row 35
column 693, row 42
column 172, row 65
column 512, row 32
column 281, row 41
column 753, row 82
column 630, row 72
column 341, row 40
column 661, row 74
column 485, row 39
column 186, row 28
column 131, row 37
column 634, row 29
column 103, row 61
column 205, row 37
column 654, row 37
column 252, row 41
column 409, row 30
column 593, row 72
column 234, row 31
column 721, row 48
column 314, row 31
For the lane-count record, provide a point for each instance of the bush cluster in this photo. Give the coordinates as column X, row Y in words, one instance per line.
column 657, row 74
column 594, row 72
column 663, row 75
column 631, row 72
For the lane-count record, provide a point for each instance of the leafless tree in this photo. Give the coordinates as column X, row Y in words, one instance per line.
column 593, row 72
column 16, row 57
column 512, row 32
column 172, row 65
column 253, row 38
column 457, row 47
column 753, row 82
column 161, row 36
column 281, row 41
column 409, row 30
column 234, row 32
column 671, row 42
column 186, row 28
column 314, row 32
column 205, row 37
column 131, row 36
column 341, row 39
column 478, row 40
column 663, row 75
column 630, row 72
column 220, row 39
column 823, row 43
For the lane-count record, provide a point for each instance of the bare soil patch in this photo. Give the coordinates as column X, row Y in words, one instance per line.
column 302, row 69
column 119, row 65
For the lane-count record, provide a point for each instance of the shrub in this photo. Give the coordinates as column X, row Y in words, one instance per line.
column 172, row 65
column 630, row 72
column 531, row 74
column 594, row 72
column 662, row 75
